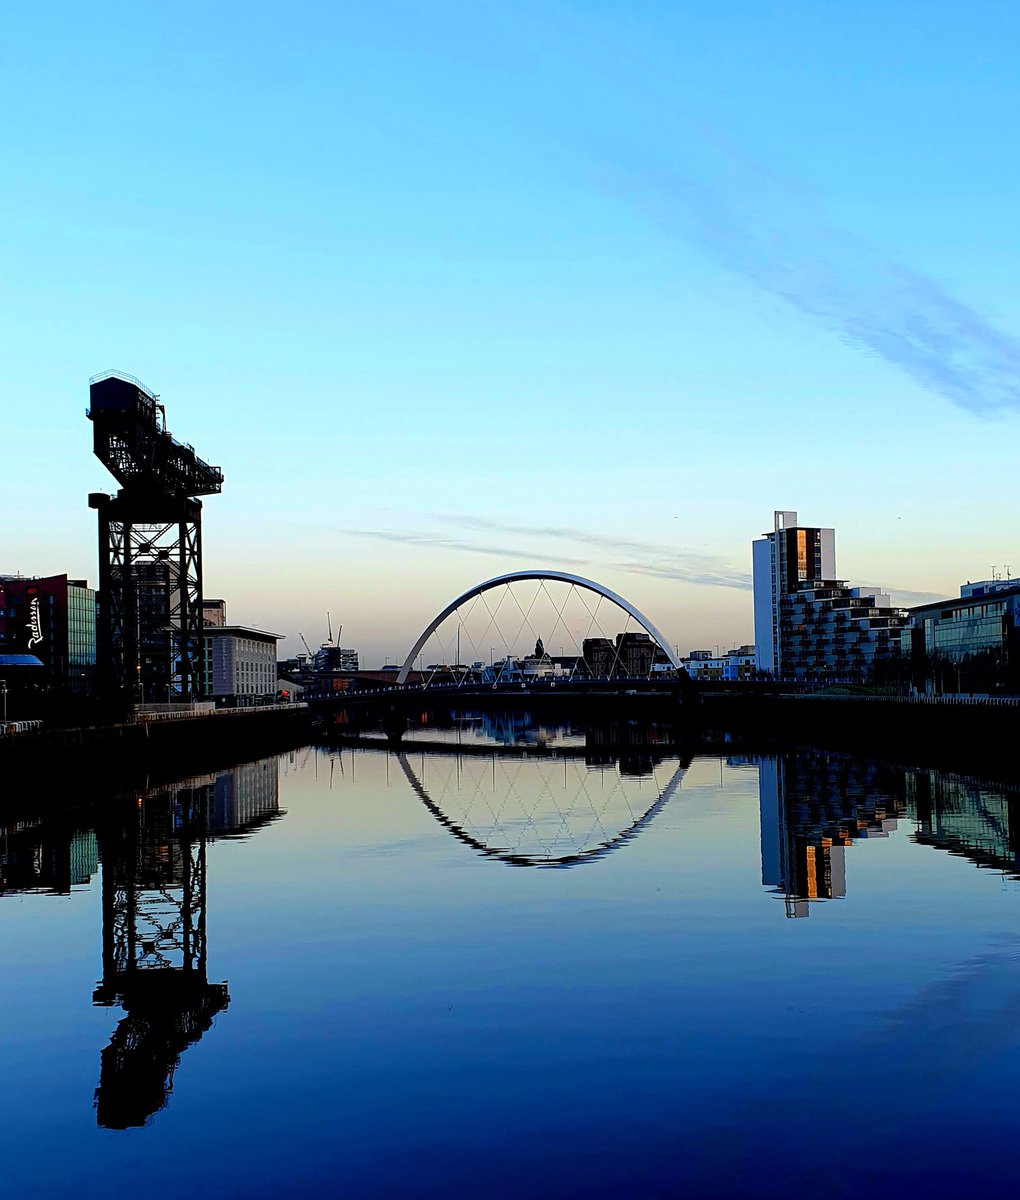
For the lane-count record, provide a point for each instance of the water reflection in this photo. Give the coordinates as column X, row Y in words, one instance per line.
column 512, row 791
column 46, row 856
column 152, row 848
column 967, row 817
column 552, row 813
column 814, row 805
column 538, row 793
column 155, row 963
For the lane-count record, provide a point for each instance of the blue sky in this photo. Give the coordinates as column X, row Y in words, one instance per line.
column 461, row 288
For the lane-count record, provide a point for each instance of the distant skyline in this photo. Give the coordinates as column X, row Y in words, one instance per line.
column 448, row 291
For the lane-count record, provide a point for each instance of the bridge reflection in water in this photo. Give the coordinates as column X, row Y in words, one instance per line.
column 539, row 813
column 512, row 790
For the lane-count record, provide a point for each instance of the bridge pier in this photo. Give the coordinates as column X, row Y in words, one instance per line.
column 394, row 724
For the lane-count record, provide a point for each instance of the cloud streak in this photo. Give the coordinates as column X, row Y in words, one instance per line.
column 769, row 232
column 656, row 561
column 641, row 558
column 618, row 545
column 413, row 538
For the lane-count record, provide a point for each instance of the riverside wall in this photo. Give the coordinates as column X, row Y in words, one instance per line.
column 963, row 734
column 55, row 765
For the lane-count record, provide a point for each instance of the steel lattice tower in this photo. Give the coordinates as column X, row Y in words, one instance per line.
column 150, row 629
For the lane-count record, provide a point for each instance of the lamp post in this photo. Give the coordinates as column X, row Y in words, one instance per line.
column 3, row 694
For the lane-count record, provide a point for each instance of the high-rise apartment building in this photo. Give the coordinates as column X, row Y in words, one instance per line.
column 810, row 627
column 784, row 559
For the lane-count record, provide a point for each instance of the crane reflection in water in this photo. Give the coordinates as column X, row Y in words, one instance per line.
column 153, row 854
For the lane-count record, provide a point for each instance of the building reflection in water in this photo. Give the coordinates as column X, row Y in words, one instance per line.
column 523, row 801
column 46, row 856
column 814, row 805
column 968, row 818
column 152, row 849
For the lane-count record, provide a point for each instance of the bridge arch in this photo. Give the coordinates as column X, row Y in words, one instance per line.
column 556, row 576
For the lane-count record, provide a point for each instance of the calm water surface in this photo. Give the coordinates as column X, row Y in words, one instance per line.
column 464, row 971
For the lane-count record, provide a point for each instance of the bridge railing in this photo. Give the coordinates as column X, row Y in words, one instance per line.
column 515, row 685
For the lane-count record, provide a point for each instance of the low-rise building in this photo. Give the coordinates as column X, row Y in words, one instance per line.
column 731, row 666
column 969, row 644
column 241, row 663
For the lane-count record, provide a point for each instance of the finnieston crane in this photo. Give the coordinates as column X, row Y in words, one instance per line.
column 150, row 633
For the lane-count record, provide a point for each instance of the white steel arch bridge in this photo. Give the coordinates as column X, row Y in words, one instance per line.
column 524, row 617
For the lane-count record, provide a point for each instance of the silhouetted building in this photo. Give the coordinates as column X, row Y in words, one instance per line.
column 330, row 659
column 790, row 555
column 631, row 654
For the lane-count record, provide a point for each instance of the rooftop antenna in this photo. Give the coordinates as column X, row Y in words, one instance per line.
column 329, row 631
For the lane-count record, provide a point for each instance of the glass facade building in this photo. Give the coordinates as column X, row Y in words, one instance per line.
column 970, row 644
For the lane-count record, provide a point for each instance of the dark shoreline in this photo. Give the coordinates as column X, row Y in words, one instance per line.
column 74, row 768
column 77, row 767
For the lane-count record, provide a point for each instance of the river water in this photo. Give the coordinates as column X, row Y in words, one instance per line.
column 515, row 961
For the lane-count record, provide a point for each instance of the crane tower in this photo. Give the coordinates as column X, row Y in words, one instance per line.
column 150, row 630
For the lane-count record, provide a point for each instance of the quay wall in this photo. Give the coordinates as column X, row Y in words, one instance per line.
column 81, row 765
column 965, row 734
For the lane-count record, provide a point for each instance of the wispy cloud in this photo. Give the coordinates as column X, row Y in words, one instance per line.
column 413, row 538
column 561, row 532
column 903, row 598
column 656, row 559
column 769, row 231
column 685, row 573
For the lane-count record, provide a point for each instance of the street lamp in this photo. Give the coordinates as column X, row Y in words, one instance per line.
column 3, row 693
